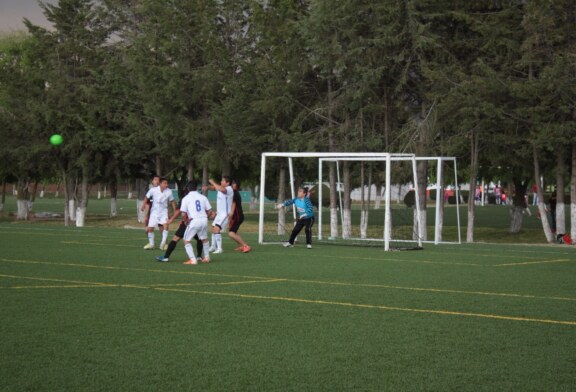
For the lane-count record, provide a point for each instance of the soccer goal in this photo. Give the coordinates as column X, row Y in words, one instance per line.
column 358, row 197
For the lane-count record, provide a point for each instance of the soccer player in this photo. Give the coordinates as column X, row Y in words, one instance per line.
column 223, row 206
column 195, row 210
column 161, row 197
column 147, row 205
column 236, row 217
column 181, row 229
column 305, row 212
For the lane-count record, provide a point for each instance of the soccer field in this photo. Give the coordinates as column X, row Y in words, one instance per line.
column 88, row 309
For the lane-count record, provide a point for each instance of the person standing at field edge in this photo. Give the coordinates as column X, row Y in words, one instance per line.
column 305, row 212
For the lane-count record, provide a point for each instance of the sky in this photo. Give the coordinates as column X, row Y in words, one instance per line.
column 12, row 12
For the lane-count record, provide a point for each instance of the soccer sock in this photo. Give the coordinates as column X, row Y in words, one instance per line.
column 171, row 247
column 151, row 238
column 206, row 249
column 213, row 243
column 218, row 240
column 164, row 236
column 199, row 247
column 189, row 251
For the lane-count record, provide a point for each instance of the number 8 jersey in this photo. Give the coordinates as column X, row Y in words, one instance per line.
column 195, row 206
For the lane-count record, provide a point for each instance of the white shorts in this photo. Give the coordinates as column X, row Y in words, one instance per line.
column 158, row 219
column 196, row 226
column 221, row 220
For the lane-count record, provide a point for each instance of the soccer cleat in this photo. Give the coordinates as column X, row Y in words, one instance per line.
column 246, row 249
column 162, row 259
column 148, row 246
column 309, row 246
column 205, row 260
column 287, row 245
column 191, row 262
column 240, row 248
column 218, row 251
column 163, row 247
column 211, row 249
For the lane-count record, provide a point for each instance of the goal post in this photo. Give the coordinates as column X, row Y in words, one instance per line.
column 270, row 232
column 440, row 189
column 388, row 159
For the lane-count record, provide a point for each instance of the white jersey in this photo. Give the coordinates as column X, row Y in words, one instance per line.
column 224, row 201
column 160, row 200
column 195, row 205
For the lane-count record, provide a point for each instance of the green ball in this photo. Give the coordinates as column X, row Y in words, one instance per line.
column 56, row 140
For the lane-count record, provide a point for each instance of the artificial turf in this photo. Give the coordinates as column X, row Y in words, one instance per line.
column 89, row 309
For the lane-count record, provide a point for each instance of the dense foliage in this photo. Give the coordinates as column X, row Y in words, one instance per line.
column 180, row 88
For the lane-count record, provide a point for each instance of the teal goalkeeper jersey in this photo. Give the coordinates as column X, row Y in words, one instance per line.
column 304, row 207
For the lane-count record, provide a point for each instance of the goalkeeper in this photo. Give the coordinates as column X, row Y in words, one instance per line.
column 305, row 211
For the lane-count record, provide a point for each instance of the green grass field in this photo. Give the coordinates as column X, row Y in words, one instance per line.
column 88, row 309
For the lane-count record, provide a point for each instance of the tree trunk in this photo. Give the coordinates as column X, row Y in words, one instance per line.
column 573, row 196
column 32, row 189
column 158, row 164
column 474, row 142
column 422, row 170
column 517, row 203
column 426, row 125
column 386, row 119
column 516, row 219
column 440, row 197
column 560, row 186
column 113, row 198
column 205, row 177
column 66, row 196
column 347, row 202
column 333, row 201
column 83, row 205
column 541, row 206
column 332, row 171
column 190, row 172
column 22, row 199
column 3, row 197
column 362, row 202
column 280, row 199
column 71, row 186
column 57, row 193
column 378, row 196
column 141, row 190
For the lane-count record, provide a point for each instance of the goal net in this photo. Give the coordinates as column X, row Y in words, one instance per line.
column 359, row 198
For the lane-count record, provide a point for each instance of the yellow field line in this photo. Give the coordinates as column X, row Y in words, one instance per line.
column 57, row 287
column 99, row 244
column 533, row 262
column 219, row 283
column 105, row 267
column 300, row 300
column 380, row 307
column 62, row 234
column 434, row 290
column 383, row 259
column 51, row 280
column 515, row 252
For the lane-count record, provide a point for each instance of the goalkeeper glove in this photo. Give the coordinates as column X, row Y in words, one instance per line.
column 280, row 205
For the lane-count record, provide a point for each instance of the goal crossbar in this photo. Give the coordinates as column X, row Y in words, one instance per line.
column 383, row 157
column 327, row 156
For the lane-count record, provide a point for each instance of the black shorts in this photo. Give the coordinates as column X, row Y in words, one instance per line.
column 180, row 231
column 235, row 225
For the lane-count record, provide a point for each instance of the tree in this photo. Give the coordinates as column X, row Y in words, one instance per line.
column 25, row 149
column 71, row 57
